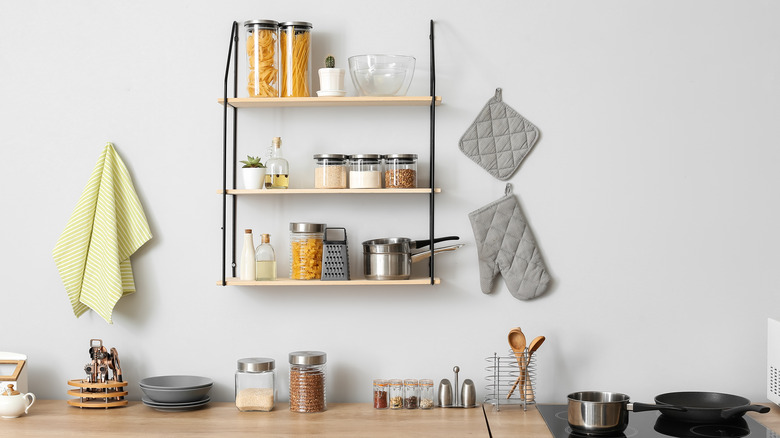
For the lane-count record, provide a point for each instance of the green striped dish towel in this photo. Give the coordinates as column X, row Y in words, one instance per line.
column 107, row 226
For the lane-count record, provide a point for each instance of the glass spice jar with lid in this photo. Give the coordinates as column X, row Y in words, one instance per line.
column 400, row 171
column 426, row 394
column 255, row 384
column 306, row 250
column 380, row 394
column 396, row 394
column 411, row 394
column 365, row 171
column 307, row 381
column 330, row 171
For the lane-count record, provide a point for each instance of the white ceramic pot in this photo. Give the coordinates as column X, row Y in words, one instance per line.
column 254, row 177
column 12, row 406
column 331, row 79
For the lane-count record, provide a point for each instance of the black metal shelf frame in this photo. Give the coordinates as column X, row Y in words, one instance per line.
column 233, row 56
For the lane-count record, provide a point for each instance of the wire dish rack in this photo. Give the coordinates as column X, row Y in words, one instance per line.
column 503, row 373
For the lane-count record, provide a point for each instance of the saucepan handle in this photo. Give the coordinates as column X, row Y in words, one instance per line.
column 423, row 243
column 641, row 407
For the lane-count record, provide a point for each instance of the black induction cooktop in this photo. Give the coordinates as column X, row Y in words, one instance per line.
column 652, row 424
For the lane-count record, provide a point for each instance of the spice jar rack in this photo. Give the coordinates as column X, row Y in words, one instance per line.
column 235, row 103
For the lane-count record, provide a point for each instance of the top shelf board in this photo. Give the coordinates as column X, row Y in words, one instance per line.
column 277, row 102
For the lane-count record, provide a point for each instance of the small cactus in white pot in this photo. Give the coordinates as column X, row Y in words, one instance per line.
column 331, row 78
column 253, row 173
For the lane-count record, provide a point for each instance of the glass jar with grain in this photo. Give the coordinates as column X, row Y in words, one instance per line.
column 365, row 171
column 330, row 171
column 400, row 171
column 411, row 394
column 307, row 381
column 426, row 394
column 306, row 250
column 255, row 384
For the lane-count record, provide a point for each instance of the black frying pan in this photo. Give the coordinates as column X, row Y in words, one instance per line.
column 707, row 407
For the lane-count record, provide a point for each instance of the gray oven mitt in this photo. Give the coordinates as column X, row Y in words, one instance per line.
column 499, row 139
column 505, row 244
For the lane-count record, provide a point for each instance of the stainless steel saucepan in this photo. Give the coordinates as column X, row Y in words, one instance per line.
column 604, row 413
column 391, row 258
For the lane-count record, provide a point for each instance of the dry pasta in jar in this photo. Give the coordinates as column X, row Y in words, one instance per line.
column 306, row 250
column 295, row 44
column 262, row 54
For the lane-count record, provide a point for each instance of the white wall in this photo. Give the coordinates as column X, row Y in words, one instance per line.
column 652, row 192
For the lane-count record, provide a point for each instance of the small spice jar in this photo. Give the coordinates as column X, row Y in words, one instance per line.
column 380, row 394
column 426, row 394
column 400, row 171
column 365, row 171
column 307, row 381
column 262, row 58
column 330, row 171
column 255, row 384
column 396, row 394
column 411, row 394
column 306, row 250
column 295, row 47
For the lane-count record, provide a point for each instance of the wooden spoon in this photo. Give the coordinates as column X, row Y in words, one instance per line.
column 528, row 388
column 517, row 343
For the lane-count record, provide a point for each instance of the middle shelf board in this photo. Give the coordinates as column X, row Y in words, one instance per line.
column 327, row 191
column 361, row 282
column 280, row 102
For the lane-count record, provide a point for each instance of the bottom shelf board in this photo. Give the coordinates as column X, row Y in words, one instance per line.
column 361, row 282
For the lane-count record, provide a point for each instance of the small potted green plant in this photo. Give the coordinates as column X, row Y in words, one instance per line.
column 253, row 172
column 331, row 79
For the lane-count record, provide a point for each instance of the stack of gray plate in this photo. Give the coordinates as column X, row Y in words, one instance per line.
column 176, row 393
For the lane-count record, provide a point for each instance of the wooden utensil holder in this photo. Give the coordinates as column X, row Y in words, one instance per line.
column 110, row 394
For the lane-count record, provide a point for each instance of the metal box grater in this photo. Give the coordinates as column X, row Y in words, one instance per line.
column 773, row 361
column 335, row 257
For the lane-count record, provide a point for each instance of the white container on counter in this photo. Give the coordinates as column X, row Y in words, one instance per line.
column 365, row 171
column 255, row 384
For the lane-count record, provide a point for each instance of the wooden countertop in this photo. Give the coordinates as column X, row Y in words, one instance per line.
column 56, row 418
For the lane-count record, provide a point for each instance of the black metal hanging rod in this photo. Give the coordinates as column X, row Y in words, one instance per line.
column 232, row 54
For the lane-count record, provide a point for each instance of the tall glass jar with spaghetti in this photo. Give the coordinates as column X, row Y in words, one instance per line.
column 262, row 58
column 295, row 44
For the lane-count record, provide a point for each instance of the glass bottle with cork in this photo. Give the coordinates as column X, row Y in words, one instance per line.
column 265, row 258
column 278, row 169
column 248, row 265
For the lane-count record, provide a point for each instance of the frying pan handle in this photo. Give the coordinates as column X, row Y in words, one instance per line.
column 739, row 410
column 422, row 243
column 641, row 407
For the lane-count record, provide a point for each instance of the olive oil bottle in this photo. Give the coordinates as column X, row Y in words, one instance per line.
column 278, row 169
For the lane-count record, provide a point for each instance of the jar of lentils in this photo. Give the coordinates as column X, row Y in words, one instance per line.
column 307, row 381
column 400, row 171
column 330, row 171
column 365, row 171
column 306, row 250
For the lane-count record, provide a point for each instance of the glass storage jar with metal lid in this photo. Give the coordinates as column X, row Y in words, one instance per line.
column 400, row 171
column 330, row 171
column 411, row 394
column 365, row 171
column 255, row 384
column 380, row 394
column 295, row 45
column 307, row 381
column 396, row 394
column 426, row 394
column 306, row 250
column 262, row 54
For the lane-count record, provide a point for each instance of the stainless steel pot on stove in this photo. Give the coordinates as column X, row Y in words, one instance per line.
column 598, row 413
column 391, row 258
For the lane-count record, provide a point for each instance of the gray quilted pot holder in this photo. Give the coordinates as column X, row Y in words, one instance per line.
column 506, row 245
column 499, row 139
